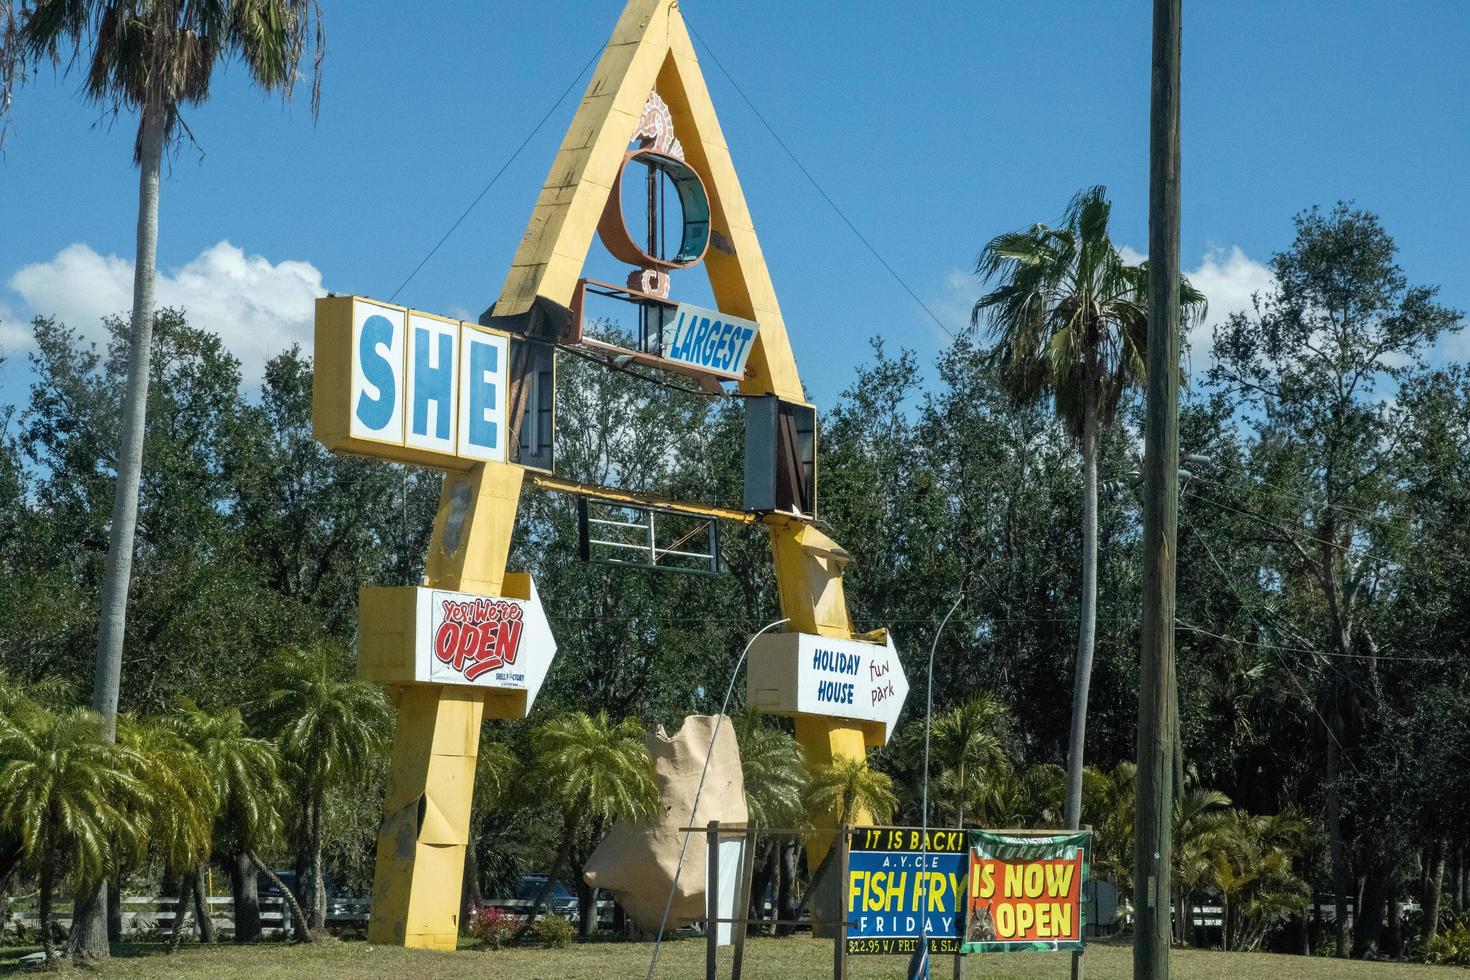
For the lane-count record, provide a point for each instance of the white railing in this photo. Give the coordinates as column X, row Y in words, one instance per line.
column 154, row 914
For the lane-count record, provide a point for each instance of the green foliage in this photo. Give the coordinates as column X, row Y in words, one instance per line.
column 176, row 825
column 553, row 931
column 1069, row 316
column 331, row 730
column 1109, row 804
column 848, row 788
column 966, row 751
column 1451, row 947
column 159, row 56
column 593, row 769
column 775, row 774
column 496, row 769
column 328, row 726
column 65, row 792
column 243, row 773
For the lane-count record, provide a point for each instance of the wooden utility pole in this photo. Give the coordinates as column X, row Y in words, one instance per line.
column 1152, row 927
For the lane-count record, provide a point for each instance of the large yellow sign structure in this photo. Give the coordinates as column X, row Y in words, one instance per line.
column 474, row 401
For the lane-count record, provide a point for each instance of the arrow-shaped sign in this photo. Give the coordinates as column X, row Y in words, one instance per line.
column 410, row 635
column 801, row 673
column 484, row 641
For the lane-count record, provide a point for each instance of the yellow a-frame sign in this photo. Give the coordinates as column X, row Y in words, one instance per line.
column 421, row 844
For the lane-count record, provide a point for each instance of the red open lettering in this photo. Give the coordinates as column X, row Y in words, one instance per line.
column 486, row 657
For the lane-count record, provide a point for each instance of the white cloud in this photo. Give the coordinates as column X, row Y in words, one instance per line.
column 953, row 306
column 15, row 336
column 258, row 308
column 1228, row 278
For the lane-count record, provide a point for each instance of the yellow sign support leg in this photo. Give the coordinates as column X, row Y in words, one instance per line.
column 809, row 578
column 419, row 872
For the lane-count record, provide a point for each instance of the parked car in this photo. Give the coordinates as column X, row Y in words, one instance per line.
column 335, row 887
column 560, row 900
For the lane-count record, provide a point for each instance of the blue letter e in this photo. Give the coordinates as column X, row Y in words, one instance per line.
column 484, row 366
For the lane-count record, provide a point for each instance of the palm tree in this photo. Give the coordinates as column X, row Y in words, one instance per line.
column 329, row 727
column 67, row 793
column 849, row 788
column 1252, row 871
column 1070, row 320
column 17, row 711
column 1197, row 817
column 244, row 777
column 178, row 822
column 593, row 771
column 966, row 748
column 775, row 774
column 152, row 57
column 775, row 788
column 1020, row 797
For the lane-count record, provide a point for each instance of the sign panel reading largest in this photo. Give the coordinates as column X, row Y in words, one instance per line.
column 714, row 342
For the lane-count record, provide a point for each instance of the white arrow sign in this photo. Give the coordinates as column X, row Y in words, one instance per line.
column 482, row 641
column 801, row 673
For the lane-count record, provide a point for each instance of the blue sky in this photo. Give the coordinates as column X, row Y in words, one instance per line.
column 934, row 125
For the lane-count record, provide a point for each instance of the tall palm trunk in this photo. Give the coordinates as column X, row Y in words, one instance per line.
column 247, row 899
column 765, row 876
column 89, row 939
column 317, row 910
column 48, row 879
column 114, row 912
column 586, row 908
column 201, row 903
column 470, row 897
column 181, row 911
column 1087, row 611
column 1433, row 880
column 788, row 862
column 1334, row 832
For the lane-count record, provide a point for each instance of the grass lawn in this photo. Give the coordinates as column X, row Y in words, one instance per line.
column 797, row 958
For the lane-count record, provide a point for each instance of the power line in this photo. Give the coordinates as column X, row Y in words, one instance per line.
column 813, row 181
column 503, row 167
column 1307, row 699
column 1316, row 652
column 1281, row 493
column 1289, row 532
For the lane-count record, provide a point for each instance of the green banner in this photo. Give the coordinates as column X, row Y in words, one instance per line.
column 1025, row 892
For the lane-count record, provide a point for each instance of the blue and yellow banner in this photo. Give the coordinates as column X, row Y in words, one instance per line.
column 898, row 889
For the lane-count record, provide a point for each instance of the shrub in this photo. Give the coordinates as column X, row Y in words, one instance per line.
column 494, row 927
column 553, row 931
column 1450, row 947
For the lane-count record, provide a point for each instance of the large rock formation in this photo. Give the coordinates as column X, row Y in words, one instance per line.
column 636, row 861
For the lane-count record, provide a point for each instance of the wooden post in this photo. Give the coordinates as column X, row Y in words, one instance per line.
column 1078, row 970
column 742, row 898
column 712, row 900
column 1152, row 843
column 839, row 934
